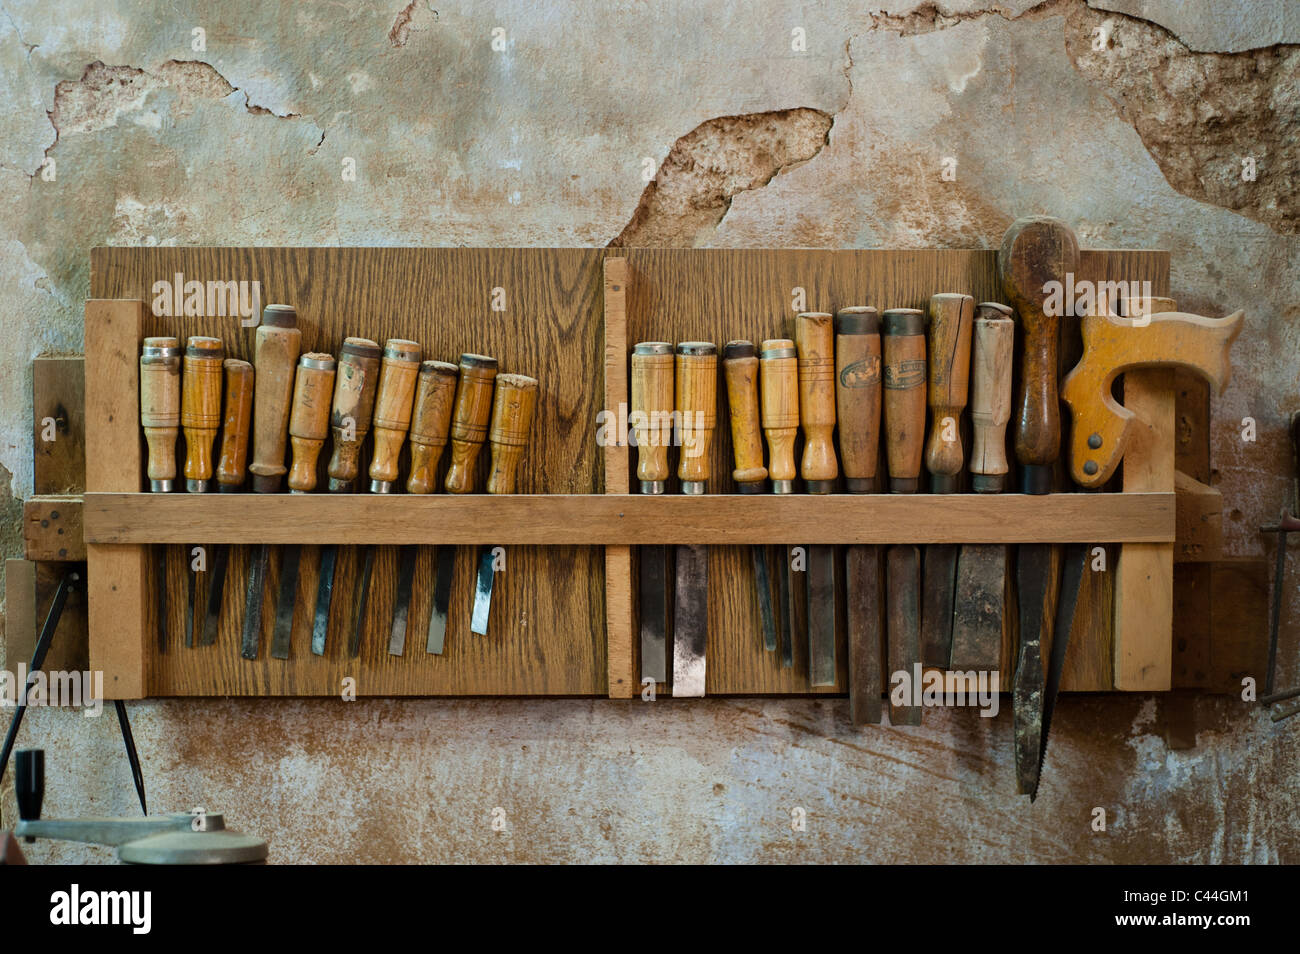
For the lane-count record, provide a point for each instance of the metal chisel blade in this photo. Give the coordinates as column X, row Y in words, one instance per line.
column 903, row 617
column 1035, row 580
column 437, row 637
column 362, row 594
column 482, row 592
column 1076, row 556
column 253, row 602
column 862, row 585
column 216, row 590
column 160, row 591
column 324, row 597
column 979, row 607
column 821, row 615
column 190, row 597
column 763, row 586
column 286, row 602
column 654, row 613
column 690, row 621
column 937, row 595
column 405, row 579
column 786, row 593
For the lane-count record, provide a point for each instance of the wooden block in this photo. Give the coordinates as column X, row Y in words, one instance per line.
column 1220, row 624
column 1089, row 666
column 59, row 413
column 622, row 648
column 52, row 528
column 1199, row 517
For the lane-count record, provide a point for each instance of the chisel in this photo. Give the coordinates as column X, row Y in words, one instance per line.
column 779, row 384
column 857, row 412
column 651, row 413
column 275, row 354
column 513, row 404
column 160, row 416
column 356, row 379
column 815, row 342
column 200, row 419
column 309, row 425
column 232, row 469
column 980, row 603
column 394, row 400
column 696, row 386
column 903, row 351
column 946, row 391
column 740, row 367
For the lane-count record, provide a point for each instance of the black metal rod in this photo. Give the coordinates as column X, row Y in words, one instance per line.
column 1279, row 577
column 137, row 775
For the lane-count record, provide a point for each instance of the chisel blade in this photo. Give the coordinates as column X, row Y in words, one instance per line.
column 763, row 586
column 160, row 591
column 654, row 613
column 253, row 603
column 979, row 607
column 284, row 605
column 788, row 628
column 483, row 592
column 437, row 636
column 191, row 596
column 862, row 585
column 821, row 615
column 324, row 597
column 938, row 589
column 405, row 579
column 362, row 598
column 690, row 621
column 903, row 611
column 1073, row 562
column 1037, row 569
column 216, row 590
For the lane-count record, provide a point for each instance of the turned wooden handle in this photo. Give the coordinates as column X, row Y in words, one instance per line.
column 513, row 403
column 309, row 418
column 652, row 412
column 948, row 355
column 903, row 347
column 201, row 406
column 469, row 420
column 740, row 368
column 356, row 380
column 814, row 337
column 857, row 395
column 779, row 380
column 990, row 406
column 275, row 355
column 397, row 375
column 160, row 407
column 1036, row 251
column 232, row 466
column 696, row 384
column 435, row 395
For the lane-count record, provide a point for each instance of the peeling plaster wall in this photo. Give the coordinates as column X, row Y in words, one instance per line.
column 754, row 144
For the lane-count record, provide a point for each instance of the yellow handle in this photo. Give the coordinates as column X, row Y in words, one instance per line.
column 815, row 340
column 779, row 384
column 740, row 366
column 513, row 404
column 470, row 419
column 397, row 374
column 201, row 407
column 309, row 418
column 696, row 384
column 160, row 407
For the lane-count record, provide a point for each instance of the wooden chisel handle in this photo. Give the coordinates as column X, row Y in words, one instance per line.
column 652, row 410
column 275, row 354
column 696, row 384
column 949, row 364
column 356, row 380
column 309, row 418
column 232, row 466
column 160, row 408
column 779, row 378
column 857, row 395
column 201, row 408
column 814, row 338
column 397, row 374
column 740, row 367
column 990, row 406
column 435, row 395
column 470, row 418
column 513, row 403
column 903, row 346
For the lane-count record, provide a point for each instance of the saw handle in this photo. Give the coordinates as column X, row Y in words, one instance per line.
column 201, row 407
column 435, row 396
column 309, row 418
column 779, row 380
column 696, row 386
column 160, row 407
column 903, row 346
column 275, row 354
column 652, row 405
column 397, row 373
column 356, row 381
column 470, row 419
column 990, row 406
column 513, row 404
column 232, row 466
column 814, row 337
column 947, row 388
column 740, row 368
column 857, row 395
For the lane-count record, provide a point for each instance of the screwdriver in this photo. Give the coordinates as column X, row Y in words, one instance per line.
column 160, row 416
column 200, row 418
column 779, row 380
column 232, row 468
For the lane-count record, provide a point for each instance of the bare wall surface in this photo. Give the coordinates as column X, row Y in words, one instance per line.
column 781, row 124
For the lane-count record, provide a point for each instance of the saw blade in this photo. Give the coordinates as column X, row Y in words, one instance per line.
column 1036, row 578
column 1076, row 557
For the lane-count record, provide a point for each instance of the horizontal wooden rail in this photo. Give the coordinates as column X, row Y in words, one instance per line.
column 614, row 519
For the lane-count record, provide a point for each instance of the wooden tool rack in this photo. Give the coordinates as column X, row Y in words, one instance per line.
column 564, row 617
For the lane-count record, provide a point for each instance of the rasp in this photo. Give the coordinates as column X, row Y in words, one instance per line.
column 651, row 418
column 232, row 470
column 779, row 387
column 160, row 416
column 200, row 419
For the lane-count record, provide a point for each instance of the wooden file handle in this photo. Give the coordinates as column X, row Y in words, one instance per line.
column 990, row 406
column 232, row 466
column 160, row 408
column 1036, row 251
column 435, row 394
column 397, row 373
column 903, row 347
column 513, row 404
column 469, row 421
column 309, row 418
column 949, row 364
column 779, row 378
column 356, row 380
column 857, row 395
column 201, row 408
column 740, row 367
column 275, row 355
column 814, row 336
column 696, row 384
column 652, row 405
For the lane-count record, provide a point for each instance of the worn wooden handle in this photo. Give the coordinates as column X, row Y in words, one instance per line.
column 275, row 355
column 696, row 384
column 740, row 368
column 160, row 407
column 652, row 410
column 435, row 395
column 779, row 379
column 397, row 374
column 232, row 466
column 470, row 418
column 903, row 347
column 201, row 405
column 309, row 418
column 857, row 395
column 948, row 355
column 814, row 336
column 356, row 381
column 990, row 406
column 513, row 404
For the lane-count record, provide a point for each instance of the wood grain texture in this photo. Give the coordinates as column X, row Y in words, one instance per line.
column 1220, row 624
column 59, row 396
column 52, row 528
column 1200, row 521
column 623, row 651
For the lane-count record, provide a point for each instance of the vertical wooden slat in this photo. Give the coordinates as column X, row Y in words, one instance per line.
column 618, row 560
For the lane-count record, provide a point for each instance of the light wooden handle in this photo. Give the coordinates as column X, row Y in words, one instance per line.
column 990, row 406
column 201, row 407
column 232, row 466
column 469, row 421
column 652, row 407
column 857, row 395
column 815, row 341
column 949, row 363
column 435, row 394
column 513, row 404
column 903, row 347
column 740, row 367
column 356, row 380
column 696, row 385
column 309, row 418
column 779, row 384
column 160, row 407
column 397, row 374
column 275, row 355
